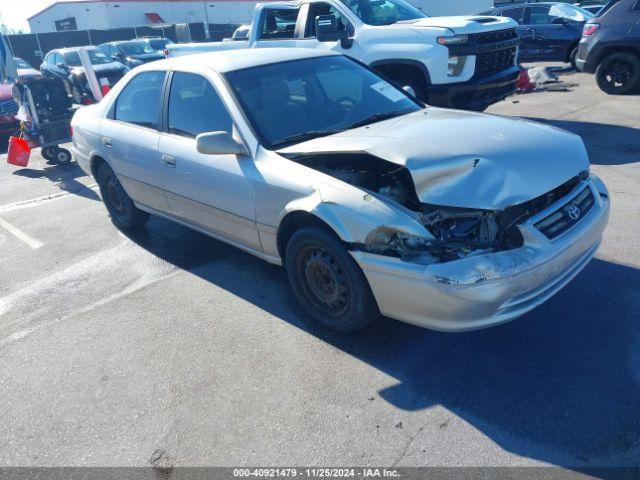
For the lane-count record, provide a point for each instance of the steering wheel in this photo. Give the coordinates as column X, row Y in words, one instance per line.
column 340, row 110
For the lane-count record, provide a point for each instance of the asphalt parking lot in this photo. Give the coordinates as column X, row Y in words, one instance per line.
column 168, row 348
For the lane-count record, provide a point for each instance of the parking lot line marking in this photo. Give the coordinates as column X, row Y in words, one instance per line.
column 34, row 202
column 20, row 235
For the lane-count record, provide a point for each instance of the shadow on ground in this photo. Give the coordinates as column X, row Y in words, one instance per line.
column 607, row 144
column 561, row 382
column 64, row 176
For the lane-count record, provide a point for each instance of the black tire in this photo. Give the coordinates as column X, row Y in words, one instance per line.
column 618, row 73
column 572, row 58
column 62, row 156
column 48, row 153
column 327, row 282
column 124, row 214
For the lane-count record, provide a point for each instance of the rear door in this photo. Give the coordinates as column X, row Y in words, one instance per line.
column 550, row 41
column 212, row 192
column 130, row 135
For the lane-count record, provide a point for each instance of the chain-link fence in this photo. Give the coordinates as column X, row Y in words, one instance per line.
column 32, row 47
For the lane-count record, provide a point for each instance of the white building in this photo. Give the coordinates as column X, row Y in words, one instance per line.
column 103, row 14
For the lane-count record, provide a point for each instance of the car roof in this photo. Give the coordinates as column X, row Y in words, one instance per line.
column 230, row 60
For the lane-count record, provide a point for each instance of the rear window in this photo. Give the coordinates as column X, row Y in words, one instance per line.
column 139, row 101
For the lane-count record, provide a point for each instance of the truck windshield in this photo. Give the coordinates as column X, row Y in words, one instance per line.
column 383, row 12
column 294, row 101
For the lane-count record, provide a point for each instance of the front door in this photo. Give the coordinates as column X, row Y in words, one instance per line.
column 212, row 192
column 130, row 135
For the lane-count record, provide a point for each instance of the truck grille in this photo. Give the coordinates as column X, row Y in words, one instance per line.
column 496, row 51
column 567, row 216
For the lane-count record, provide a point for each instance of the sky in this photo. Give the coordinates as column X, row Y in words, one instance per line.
column 14, row 13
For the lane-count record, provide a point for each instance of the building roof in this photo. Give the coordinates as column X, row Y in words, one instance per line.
column 54, row 4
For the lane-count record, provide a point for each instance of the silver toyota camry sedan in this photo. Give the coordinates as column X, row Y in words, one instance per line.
column 373, row 202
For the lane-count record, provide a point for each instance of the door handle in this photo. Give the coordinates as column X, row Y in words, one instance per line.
column 106, row 141
column 168, row 161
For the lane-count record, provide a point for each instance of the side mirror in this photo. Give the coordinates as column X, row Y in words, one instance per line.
column 219, row 143
column 409, row 90
column 560, row 21
column 61, row 66
column 327, row 29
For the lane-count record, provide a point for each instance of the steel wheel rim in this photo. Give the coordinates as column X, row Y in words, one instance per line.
column 325, row 281
column 115, row 196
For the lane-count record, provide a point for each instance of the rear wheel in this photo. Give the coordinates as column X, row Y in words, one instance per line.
column 572, row 58
column 618, row 73
column 124, row 214
column 327, row 281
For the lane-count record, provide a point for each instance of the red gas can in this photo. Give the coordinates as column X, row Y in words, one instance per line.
column 19, row 152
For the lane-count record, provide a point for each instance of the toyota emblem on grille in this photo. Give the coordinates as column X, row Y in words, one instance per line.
column 573, row 212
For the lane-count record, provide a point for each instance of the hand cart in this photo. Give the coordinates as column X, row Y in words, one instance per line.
column 45, row 116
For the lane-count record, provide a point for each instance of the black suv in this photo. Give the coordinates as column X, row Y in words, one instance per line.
column 610, row 47
column 131, row 52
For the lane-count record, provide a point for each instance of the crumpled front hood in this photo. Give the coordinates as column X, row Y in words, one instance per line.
column 462, row 24
column 465, row 159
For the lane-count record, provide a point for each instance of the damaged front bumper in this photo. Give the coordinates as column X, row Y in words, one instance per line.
column 486, row 290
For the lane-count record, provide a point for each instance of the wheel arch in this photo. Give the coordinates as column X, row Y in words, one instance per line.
column 294, row 221
column 402, row 68
column 611, row 49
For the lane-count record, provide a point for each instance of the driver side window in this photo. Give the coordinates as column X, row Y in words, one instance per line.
column 539, row 15
column 317, row 9
column 279, row 24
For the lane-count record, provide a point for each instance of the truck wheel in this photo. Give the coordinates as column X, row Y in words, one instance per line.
column 618, row 73
column 124, row 214
column 328, row 282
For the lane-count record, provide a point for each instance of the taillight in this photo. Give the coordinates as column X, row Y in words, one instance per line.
column 589, row 29
column 165, row 52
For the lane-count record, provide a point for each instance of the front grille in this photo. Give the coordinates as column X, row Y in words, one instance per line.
column 496, row 51
column 8, row 107
column 568, row 215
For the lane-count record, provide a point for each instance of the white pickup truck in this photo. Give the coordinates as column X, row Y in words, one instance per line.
column 459, row 62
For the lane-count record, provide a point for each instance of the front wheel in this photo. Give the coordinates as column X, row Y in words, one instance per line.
column 619, row 73
column 328, row 282
column 572, row 58
column 124, row 214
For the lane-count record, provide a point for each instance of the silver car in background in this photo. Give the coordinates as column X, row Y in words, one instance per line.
column 373, row 202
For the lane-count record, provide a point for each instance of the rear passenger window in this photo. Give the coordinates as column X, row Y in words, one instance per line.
column 516, row 13
column 195, row 107
column 279, row 24
column 139, row 101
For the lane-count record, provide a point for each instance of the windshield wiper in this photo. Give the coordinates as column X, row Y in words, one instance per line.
column 300, row 137
column 379, row 117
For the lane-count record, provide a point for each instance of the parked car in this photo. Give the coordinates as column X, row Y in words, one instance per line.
column 65, row 64
column 131, row 52
column 460, row 62
column 372, row 201
column 548, row 31
column 24, row 69
column 8, row 109
column 594, row 9
column 610, row 47
column 157, row 43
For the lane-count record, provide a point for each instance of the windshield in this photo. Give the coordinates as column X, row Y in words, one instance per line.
column 136, row 48
column 570, row 12
column 159, row 43
column 96, row 56
column 383, row 12
column 20, row 63
column 290, row 102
